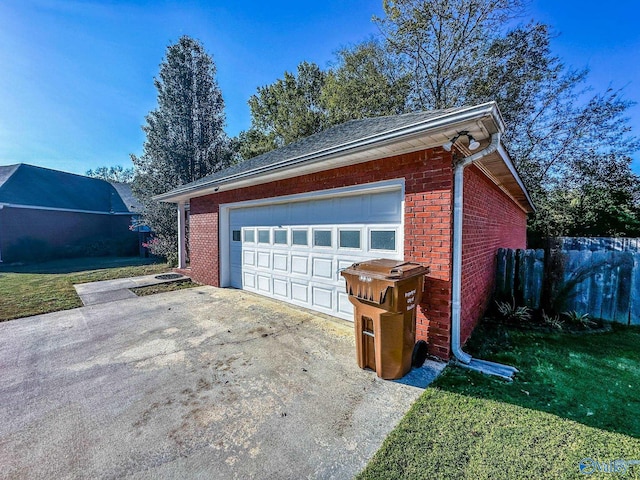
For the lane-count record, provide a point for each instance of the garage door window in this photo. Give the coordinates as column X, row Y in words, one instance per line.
column 322, row 238
column 349, row 239
column 300, row 237
column 250, row 235
column 383, row 240
column 280, row 237
column 263, row 236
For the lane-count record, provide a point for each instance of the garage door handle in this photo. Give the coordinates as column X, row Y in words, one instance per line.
column 364, row 332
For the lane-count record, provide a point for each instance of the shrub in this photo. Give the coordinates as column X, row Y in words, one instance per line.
column 552, row 321
column 511, row 313
column 584, row 320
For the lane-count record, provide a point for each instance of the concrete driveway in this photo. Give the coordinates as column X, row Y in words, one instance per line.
column 199, row 383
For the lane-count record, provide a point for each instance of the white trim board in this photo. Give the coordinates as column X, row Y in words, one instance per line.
column 70, row 210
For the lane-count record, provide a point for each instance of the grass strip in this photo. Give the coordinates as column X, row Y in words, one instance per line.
column 33, row 290
column 575, row 398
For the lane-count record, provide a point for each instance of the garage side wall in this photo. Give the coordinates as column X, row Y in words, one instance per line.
column 427, row 231
column 492, row 220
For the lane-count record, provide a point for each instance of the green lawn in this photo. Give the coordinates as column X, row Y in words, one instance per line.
column 577, row 397
column 48, row 287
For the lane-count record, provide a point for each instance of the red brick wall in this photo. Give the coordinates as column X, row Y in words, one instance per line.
column 491, row 221
column 428, row 207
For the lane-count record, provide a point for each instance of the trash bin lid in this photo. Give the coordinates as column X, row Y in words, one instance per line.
column 388, row 269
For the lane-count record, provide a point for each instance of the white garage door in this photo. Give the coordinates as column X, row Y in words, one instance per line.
column 295, row 251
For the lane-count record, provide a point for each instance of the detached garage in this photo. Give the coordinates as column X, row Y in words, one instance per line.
column 285, row 223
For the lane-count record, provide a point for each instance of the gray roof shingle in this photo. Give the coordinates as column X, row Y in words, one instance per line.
column 42, row 187
column 350, row 131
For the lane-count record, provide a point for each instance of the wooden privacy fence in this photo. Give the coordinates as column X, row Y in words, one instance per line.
column 598, row 276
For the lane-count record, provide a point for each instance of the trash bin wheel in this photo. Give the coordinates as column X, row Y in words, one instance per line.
column 419, row 354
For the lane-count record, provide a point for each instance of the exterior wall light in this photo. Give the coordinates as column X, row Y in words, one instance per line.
column 473, row 143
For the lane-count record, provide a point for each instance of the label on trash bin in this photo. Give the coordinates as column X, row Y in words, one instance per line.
column 410, row 298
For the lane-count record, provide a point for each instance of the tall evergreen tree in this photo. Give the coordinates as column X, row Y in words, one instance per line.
column 185, row 140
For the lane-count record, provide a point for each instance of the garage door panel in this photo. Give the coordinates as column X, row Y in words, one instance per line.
column 344, row 305
column 300, row 292
column 322, row 297
column 249, row 258
column 322, row 268
column 249, row 280
column 300, row 264
column 264, row 260
column 281, row 262
column 264, row 283
column 382, row 207
column 281, row 288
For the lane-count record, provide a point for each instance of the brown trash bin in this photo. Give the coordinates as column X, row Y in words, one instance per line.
column 385, row 294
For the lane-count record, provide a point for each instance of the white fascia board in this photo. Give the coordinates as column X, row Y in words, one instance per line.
column 507, row 161
column 70, row 210
column 462, row 116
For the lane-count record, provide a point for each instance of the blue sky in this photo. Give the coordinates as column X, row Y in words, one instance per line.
column 76, row 77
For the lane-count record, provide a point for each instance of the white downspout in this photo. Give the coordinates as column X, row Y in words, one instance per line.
column 463, row 358
column 182, row 251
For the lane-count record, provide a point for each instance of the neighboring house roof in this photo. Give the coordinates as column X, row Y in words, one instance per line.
column 362, row 140
column 36, row 187
column 130, row 201
column 6, row 172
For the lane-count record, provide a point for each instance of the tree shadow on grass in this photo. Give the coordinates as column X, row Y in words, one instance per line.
column 591, row 378
column 73, row 265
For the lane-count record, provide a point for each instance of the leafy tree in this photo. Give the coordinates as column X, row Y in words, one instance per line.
column 288, row 109
column 459, row 53
column 443, row 42
column 515, row 71
column 448, row 53
column 601, row 198
column 185, row 140
column 364, row 82
column 112, row 174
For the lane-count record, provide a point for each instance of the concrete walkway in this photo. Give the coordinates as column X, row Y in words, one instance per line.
column 107, row 291
column 195, row 383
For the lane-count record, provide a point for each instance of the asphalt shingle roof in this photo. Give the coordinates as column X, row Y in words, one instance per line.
column 42, row 187
column 125, row 193
column 350, row 131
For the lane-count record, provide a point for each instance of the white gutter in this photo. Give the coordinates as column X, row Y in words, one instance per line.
column 57, row 209
column 462, row 358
